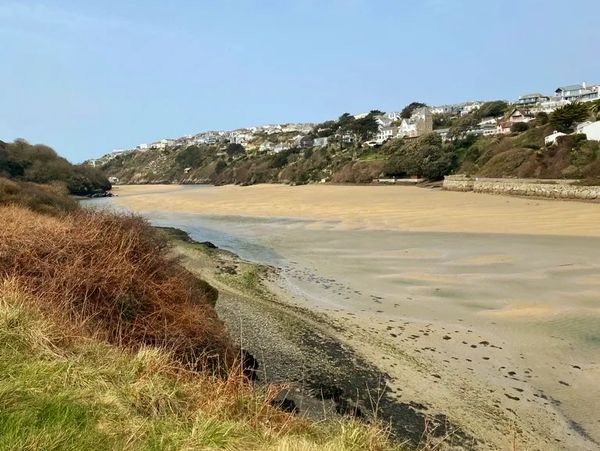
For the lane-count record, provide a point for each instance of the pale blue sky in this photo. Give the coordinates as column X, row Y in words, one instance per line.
column 89, row 76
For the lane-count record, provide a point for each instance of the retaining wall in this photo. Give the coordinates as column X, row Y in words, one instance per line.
column 554, row 189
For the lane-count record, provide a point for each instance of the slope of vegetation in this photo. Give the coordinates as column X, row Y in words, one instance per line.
column 526, row 156
column 522, row 153
column 24, row 162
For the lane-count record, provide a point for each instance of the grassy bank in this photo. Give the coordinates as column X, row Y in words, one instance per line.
column 107, row 342
column 60, row 390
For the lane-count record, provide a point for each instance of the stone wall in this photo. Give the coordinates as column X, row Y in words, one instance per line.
column 554, row 189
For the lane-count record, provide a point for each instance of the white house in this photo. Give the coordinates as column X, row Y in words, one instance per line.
column 419, row 124
column 591, row 130
column 407, row 128
column 551, row 139
column 487, row 121
column 383, row 121
column 386, row 133
column 266, row 146
column 550, row 105
column 281, row 147
column 142, row 147
column 394, row 115
column 443, row 132
column 468, row 107
column 321, row 142
column 445, row 109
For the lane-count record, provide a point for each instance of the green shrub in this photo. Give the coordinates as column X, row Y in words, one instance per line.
column 40, row 164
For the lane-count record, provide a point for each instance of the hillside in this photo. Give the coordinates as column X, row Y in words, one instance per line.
column 350, row 155
column 24, row 162
column 526, row 156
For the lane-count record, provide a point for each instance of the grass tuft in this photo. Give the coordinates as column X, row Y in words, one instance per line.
column 68, row 392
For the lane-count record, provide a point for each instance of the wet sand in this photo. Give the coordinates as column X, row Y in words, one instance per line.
column 484, row 308
column 374, row 207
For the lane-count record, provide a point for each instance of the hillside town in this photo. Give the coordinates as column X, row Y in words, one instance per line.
column 274, row 139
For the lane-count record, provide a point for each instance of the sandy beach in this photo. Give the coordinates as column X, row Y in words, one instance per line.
column 479, row 307
column 374, row 207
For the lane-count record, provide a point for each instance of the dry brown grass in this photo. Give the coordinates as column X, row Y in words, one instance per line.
column 112, row 277
column 42, row 198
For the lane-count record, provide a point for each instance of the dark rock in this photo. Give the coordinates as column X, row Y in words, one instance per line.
column 249, row 365
column 209, row 245
column 286, row 405
column 348, row 408
column 330, row 392
column 229, row 270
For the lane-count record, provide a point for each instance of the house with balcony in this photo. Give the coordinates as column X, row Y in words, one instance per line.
column 576, row 92
column 530, row 100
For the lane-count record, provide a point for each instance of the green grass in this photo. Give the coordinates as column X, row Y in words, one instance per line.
column 372, row 156
column 59, row 391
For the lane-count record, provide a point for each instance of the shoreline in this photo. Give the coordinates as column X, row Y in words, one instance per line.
column 493, row 392
column 429, row 185
column 316, row 352
column 306, row 351
column 372, row 207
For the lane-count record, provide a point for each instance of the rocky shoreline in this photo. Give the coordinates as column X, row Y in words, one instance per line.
column 302, row 351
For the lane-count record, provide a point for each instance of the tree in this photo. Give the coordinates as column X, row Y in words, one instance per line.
column 424, row 157
column 324, row 129
column 408, row 110
column 345, row 121
column 595, row 109
column 519, row 127
column 376, row 113
column 541, row 118
column 234, row 149
column 564, row 118
column 495, row 108
column 365, row 127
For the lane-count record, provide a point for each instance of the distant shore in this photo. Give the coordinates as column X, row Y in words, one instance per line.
column 374, row 207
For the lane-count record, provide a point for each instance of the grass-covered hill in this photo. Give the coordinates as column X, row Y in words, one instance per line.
column 522, row 153
column 107, row 342
column 525, row 155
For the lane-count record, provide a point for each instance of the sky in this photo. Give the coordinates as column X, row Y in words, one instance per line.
column 87, row 77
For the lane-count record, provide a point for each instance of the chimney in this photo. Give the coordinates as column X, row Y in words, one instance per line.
column 584, row 85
